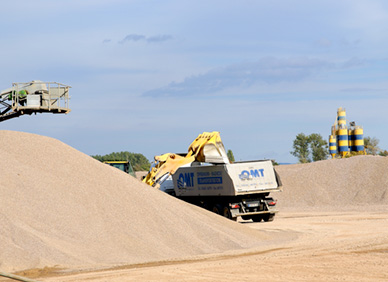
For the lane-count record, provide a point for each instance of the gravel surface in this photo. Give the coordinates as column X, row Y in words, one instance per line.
column 359, row 182
column 61, row 208
column 315, row 246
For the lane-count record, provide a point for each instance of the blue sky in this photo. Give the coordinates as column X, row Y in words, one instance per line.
column 149, row 76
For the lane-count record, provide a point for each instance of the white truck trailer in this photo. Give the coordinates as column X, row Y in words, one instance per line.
column 229, row 189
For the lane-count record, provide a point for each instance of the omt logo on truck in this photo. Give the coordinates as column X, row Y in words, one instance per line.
column 185, row 180
column 246, row 174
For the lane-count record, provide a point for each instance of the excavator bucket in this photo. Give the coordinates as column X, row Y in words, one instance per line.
column 207, row 147
column 166, row 164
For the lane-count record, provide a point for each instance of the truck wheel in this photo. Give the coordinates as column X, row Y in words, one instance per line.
column 206, row 206
column 257, row 218
column 269, row 217
column 228, row 214
column 217, row 209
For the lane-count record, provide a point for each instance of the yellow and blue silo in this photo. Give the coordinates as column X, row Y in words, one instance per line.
column 344, row 139
column 342, row 133
column 332, row 146
column 341, row 117
column 351, row 137
column 357, row 138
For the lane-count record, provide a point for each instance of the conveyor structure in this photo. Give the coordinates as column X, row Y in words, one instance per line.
column 26, row 98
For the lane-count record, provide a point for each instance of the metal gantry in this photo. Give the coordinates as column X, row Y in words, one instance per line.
column 34, row 97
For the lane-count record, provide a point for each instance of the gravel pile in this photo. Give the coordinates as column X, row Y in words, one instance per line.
column 360, row 181
column 60, row 207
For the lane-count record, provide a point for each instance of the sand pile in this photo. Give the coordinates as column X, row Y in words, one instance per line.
column 358, row 181
column 60, row 207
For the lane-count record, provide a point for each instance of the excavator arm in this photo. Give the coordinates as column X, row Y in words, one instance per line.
column 207, row 147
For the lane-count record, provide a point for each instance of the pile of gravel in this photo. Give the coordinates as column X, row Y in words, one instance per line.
column 60, row 207
column 360, row 182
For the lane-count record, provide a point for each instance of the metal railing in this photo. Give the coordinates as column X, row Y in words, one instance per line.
column 53, row 95
column 34, row 97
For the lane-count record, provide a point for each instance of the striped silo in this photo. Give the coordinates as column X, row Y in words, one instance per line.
column 358, row 139
column 341, row 117
column 343, row 140
column 351, row 138
column 332, row 146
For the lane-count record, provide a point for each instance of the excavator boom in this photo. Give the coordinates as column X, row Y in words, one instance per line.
column 207, row 147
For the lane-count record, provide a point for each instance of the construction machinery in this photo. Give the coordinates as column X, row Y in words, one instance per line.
column 122, row 165
column 205, row 177
column 34, row 97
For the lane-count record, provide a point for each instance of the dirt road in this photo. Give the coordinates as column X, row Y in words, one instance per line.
column 318, row 246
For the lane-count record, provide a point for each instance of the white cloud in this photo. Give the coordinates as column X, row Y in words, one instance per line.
column 269, row 70
column 150, row 39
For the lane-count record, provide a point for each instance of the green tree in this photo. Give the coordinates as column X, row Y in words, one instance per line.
column 309, row 148
column 138, row 161
column 371, row 145
column 301, row 148
column 230, row 156
column 318, row 146
column 383, row 153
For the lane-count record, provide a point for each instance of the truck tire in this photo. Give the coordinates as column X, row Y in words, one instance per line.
column 205, row 205
column 257, row 218
column 246, row 217
column 228, row 214
column 217, row 209
column 269, row 217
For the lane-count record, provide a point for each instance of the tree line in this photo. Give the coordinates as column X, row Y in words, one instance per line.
column 138, row 161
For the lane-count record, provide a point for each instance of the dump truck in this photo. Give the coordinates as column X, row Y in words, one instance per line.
column 205, row 177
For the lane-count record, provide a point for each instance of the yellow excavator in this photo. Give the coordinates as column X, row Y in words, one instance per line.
column 207, row 147
column 205, row 177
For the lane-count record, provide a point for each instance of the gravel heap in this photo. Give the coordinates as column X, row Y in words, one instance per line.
column 60, row 207
column 360, row 181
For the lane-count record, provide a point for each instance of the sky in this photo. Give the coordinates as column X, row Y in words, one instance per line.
column 149, row 76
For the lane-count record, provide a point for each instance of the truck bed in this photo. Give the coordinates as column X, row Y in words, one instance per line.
column 235, row 179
